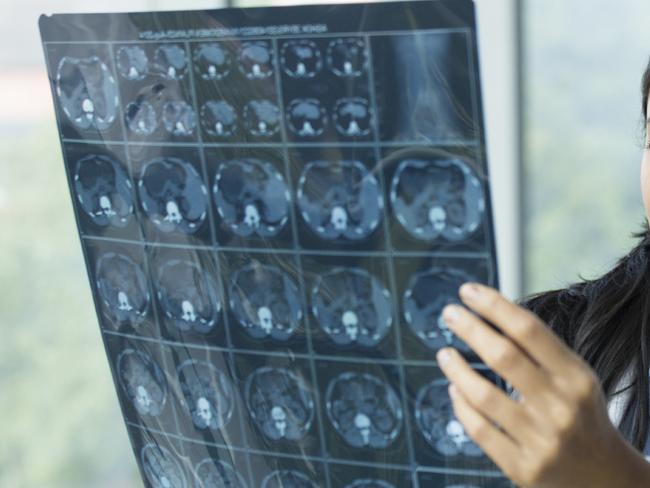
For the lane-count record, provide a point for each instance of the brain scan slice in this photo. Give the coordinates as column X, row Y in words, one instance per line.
column 209, row 395
column 369, row 483
column 262, row 118
column 352, row 306
column 173, row 195
column 141, row 118
column 143, row 381
column 347, row 57
column 87, row 92
column 252, row 197
column 301, row 59
column 339, row 200
column 352, row 116
column 256, row 60
column 437, row 198
column 287, row 479
column 179, row 118
column 104, row 190
column 280, row 403
column 188, row 296
column 265, row 301
column 306, row 117
column 435, row 418
column 161, row 468
column 218, row 118
column 427, row 294
column 122, row 287
column 171, row 61
column 214, row 473
column 212, row 61
column 132, row 62
column 364, row 410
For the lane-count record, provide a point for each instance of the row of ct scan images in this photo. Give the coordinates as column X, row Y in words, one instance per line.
column 204, row 467
column 88, row 92
column 339, row 202
column 269, row 405
column 347, row 301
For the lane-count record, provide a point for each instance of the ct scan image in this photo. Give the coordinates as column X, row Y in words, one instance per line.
column 275, row 204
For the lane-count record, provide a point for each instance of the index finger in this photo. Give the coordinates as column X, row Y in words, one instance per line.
column 521, row 325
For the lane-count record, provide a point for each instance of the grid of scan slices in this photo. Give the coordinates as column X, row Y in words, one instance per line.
column 270, row 293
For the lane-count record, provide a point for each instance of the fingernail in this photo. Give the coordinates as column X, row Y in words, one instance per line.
column 453, row 391
column 470, row 290
column 451, row 313
column 443, row 356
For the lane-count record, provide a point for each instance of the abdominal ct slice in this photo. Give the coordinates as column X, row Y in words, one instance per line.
column 352, row 306
column 132, row 62
column 369, row 483
column 188, row 296
column 141, row 118
column 218, row 118
column 340, row 200
column 142, row 381
column 173, row 195
column 347, row 57
column 104, row 190
column 256, row 60
column 122, row 287
column 436, row 421
column 171, row 61
column 437, row 198
column 161, row 468
column 213, row 473
column 287, row 479
column 280, row 403
column 364, row 410
column 212, row 61
column 252, row 198
column 427, row 294
column 265, row 301
column 306, row 117
column 209, row 395
column 262, row 118
column 301, row 58
column 87, row 92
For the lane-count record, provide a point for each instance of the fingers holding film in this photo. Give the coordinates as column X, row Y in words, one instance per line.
column 484, row 396
column 497, row 351
column 497, row 445
column 521, row 325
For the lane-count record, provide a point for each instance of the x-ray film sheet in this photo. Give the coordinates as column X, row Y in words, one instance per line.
column 274, row 206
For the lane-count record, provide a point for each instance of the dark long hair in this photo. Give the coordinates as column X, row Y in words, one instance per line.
column 607, row 322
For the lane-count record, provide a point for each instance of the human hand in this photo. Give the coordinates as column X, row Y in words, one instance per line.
column 557, row 433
